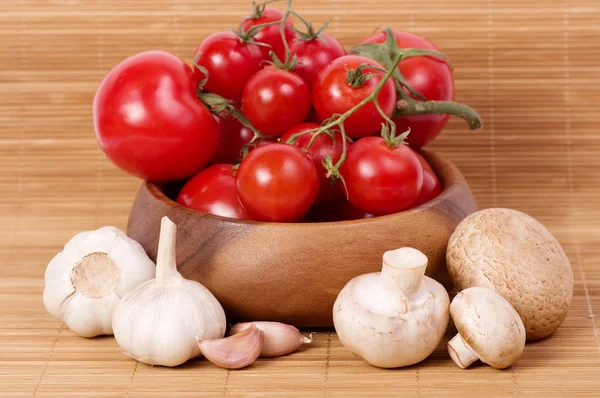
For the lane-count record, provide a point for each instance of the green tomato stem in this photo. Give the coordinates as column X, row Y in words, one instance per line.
column 218, row 104
column 286, row 14
column 407, row 106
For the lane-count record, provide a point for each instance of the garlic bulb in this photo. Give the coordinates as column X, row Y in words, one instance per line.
column 160, row 321
column 85, row 282
column 395, row 317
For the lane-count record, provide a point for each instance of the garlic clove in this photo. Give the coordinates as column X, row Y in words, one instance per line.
column 280, row 339
column 90, row 317
column 234, row 352
column 62, row 287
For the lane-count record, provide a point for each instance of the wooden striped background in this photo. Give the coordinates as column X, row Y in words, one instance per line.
column 529, row 67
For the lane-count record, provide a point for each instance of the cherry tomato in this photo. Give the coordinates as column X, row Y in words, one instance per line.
column 381, row 179
column 148, row 120
column 321, row 147
column 275, row 100
column 431, row 184
column 314, row 55
column 234, row 135
column 213, row 191
column 230, row 63
column 270, row 34
column 429, row 76
column 339, row 209
column 277, row 182
column 333, row 94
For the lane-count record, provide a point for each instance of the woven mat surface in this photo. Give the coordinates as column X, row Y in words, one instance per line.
column 529, row 67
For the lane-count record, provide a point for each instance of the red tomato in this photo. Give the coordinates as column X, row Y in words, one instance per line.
column 336, row 210
column 270, row 34
column 277, row 182
column 431, row 184
column 381, row 179
column 429, row 76
column 314, row 55
column 234, row 135
column 213, row 191
column 275, row 100
column 332, row 94
column 322, row 147
column 230, row 63
column 148, row 120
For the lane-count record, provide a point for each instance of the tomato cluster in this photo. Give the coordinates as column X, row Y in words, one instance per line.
column 290, row 126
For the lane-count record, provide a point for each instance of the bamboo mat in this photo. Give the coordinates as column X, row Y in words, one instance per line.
column 530, row 68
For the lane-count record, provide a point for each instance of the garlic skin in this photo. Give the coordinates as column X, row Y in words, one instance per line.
column 158, row 323
column 85, row 282
column 395, row 317
column 236, row 351
column 280, row 339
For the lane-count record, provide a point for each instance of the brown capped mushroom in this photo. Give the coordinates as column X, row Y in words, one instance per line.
column 512, row 253
column 488, row 327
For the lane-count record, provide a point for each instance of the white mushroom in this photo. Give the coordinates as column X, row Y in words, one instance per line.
column 514, row 254
column 395, row 317
column 488, row 327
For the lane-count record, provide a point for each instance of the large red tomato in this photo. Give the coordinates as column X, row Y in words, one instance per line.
column 333, row 94
column 275, row 100
column 213, row 191
column 429, row 76
column 382, row 179
column 230, row 62
column 321, row 147
column 270, row 35
column 148, row 120
column 314, row 55
column 431, row 184
column 277, row 182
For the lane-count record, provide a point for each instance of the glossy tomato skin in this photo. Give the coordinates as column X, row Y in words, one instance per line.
column 148, row 120
column 381, row 179
column 234, row 135
column 277, row 182
column 322, row 147
column 270, row 34
column 314, row 55
column 431, row 184
column 429, row 76
column 213, row 191
column 230, row 63
column 332, row 94
column 275, row 100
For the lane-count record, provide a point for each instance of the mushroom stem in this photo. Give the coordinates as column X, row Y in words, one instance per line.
column 460, row 352
column 403, row 270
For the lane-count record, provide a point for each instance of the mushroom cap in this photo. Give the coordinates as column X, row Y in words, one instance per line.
column 514, row 254
column 489, row 325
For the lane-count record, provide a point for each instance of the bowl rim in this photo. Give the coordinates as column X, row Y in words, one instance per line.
column 448, row 174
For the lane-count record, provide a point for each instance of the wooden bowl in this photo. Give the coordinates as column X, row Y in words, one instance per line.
column 292, row 272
